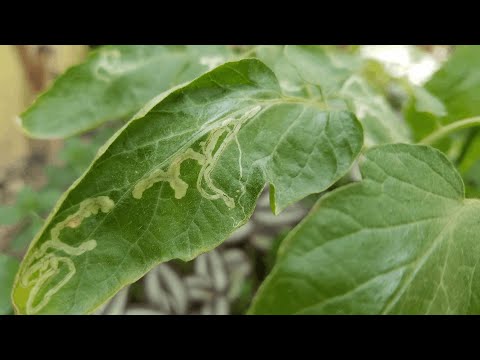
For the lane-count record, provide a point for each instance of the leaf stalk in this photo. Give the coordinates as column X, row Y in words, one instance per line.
column 449, row 129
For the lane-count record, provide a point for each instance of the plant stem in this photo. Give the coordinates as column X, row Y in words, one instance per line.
column 447, row 130
column 472, row 134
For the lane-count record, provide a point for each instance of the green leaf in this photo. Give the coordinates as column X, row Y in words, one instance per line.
column 425, row 102
column 315, row 66
column 423, row 112
column 114, row 82
column 10, row 214
column 25, row 236
column 469, row 163
column 375, row 73
column 421, row 123
column 78, row 154
column 382, row 125
column 334, row 72
column 288, row 77
column 457, row 84
column 8, row 269
column 60, row 177
column 27, row 200
column 472, row 180
column 48, row 198
column 178, row 179
column 402, row 241
column 455, row 88
column 30, row 200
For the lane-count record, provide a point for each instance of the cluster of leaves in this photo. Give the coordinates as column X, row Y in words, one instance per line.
column 187, row 169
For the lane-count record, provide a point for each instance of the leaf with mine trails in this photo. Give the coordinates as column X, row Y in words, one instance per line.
column 178, row 179
column 8, row 269
column 402, row 241
column 114, row 82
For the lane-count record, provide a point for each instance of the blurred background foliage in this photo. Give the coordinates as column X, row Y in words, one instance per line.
column 34, row 173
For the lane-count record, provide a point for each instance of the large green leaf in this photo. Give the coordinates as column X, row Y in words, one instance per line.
column 8, row 268
column 114, row 82
column 178, row 179
column 402, row 241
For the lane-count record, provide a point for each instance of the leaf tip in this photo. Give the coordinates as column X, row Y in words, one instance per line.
column 18, row 121
column 23, row 126
column 276, row 209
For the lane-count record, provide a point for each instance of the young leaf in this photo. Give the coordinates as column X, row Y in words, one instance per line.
column 402, row 241
column 114, row 82
column 177, row 180
column 8, row 268
column 425, row 102
column 423, row 112
column 10, row 214
column 381, row 124
column 24, row 237
column 457, row 84
column 287, row 75
column 454, row 89
column 316, row 67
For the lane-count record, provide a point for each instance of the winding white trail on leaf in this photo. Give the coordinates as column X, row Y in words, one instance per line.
column 44, row 263
column 211, row 150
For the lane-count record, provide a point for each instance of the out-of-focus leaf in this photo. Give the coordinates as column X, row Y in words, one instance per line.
column 382, row 125
column 114, row 82
column 315, row 66
column 457, row 84
column 25, row 236
column 9, row 214
column 288, row 77
column 8, row 269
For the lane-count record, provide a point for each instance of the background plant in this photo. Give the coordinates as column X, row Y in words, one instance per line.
column 408, row 257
